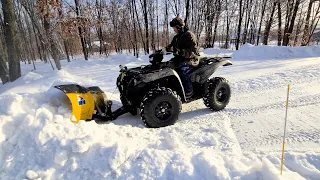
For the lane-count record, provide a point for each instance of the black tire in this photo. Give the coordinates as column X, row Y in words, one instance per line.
column 160, row 107
column 218, row 94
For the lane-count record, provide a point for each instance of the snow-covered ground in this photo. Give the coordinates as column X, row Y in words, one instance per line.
column 37, row 140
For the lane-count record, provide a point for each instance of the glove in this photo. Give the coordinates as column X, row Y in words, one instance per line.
column 164, row 50
column 179, row 52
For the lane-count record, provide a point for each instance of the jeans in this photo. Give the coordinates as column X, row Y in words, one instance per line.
column 183, row 72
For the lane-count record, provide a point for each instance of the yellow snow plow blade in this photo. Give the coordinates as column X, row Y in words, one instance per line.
column 82, row 106
column 81, row 100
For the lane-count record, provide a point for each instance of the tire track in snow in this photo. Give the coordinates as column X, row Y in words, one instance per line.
column 301, row 101
column 246, row 120
column 306, row 74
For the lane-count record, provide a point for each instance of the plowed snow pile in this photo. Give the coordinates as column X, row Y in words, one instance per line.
column 37, row 140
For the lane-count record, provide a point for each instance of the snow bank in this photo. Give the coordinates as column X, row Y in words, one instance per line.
column 251, row 52
column 33, row 82
column 217, row 52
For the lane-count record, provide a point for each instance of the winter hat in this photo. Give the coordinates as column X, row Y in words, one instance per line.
column 177, row 22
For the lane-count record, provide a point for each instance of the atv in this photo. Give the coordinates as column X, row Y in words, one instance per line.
column 155, row 89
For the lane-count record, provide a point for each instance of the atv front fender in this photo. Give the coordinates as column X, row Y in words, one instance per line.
column 169, row 77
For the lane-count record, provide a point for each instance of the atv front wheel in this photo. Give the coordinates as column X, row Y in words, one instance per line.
column 160, row 107
column 218, row 95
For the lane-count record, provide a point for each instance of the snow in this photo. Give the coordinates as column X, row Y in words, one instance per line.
column 218, row 52
column 38, row 141
column 251, row 52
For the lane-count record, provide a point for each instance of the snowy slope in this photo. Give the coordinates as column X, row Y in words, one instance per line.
column 241, row 142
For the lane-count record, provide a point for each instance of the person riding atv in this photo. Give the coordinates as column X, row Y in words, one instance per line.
column 186, row 53
column 158, row 89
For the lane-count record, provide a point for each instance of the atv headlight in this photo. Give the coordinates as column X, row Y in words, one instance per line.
column 151, row 59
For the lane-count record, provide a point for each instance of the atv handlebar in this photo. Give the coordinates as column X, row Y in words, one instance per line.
column 123, row 68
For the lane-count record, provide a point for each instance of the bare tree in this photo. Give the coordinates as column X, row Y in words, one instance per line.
column 4, row 75
column 292, row 9
column 247, row 20
column 146, row 24
column 298, row 28
column 217, row 18
column 209, row 17
column 187, row 12
column 279, row 23
column 65, row 43
column 47, row 9
column 239, row 23
column 306, row 31
column 269, row 23
column 3, row 70
column 81, row 32
column 10, row 33
column 261, row 19
column 314, row 20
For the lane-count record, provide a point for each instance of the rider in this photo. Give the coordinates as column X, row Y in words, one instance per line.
column 186, row 53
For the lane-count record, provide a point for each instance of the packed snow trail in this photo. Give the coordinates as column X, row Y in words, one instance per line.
column 241, row 142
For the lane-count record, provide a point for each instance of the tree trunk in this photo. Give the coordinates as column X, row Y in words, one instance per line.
column 152, row 17
column 134, row 30
column 187, row 12
column 63, row 38
column 288, row 33
column 314, row 22
column 262, row 16
column 313, row 29
column 306, row 30
column 247, row 19
column 269, row 23
column 100, row 34
column 298, row 29
column 228, row 25
column 239, row 25
column 218, row 11
column 209, row 16
column 81, row 33
column 30, row 40
column 140, row 29
column 54, row 49
column 158, row 40
column 167, row 24
column 39, row 45
column 146, row 25
column 279, row 23
column 3, row 70
column 10, row 32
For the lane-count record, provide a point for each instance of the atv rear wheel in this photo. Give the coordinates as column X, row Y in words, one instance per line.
column 218, row 95
column 160, row 107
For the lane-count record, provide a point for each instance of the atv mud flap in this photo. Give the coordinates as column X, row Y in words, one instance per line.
column 82, row 101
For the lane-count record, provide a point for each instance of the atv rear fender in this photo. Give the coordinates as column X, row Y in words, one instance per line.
column 202, row 74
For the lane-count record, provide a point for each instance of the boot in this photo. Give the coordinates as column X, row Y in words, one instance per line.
column 189, row 94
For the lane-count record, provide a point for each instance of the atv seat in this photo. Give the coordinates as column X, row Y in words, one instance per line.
column 201, row 63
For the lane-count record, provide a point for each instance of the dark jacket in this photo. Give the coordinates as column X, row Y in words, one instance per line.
column 185, row 47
